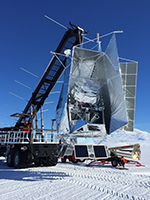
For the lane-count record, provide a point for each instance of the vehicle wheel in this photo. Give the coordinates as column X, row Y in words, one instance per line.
column 18, row 160
column 51, row 161
column 55, row 160
column 74, row 160
column 114, row 162
column 63, row 159
column 10, row 158
column 37, row 163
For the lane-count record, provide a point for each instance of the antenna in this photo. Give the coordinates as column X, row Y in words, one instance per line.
column 55, row 22
column 118, row 31
column 29, row 72
column 5, row 124
column 7, row 116
column 43, row 111
column 18, row 96
column 13, row 107
column 55, row 92
column 24, row 85
column 49, row 102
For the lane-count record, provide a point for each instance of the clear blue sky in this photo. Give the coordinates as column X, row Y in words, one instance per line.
column 27, row 37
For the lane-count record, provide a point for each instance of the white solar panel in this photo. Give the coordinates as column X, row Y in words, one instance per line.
column 129, row 79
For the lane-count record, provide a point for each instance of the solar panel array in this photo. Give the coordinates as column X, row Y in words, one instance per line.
column 129, row 80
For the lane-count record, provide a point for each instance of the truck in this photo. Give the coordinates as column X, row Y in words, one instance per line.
column 23, row 145
column 22, row 152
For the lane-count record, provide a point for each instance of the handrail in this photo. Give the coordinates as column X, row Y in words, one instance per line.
column 17, row 137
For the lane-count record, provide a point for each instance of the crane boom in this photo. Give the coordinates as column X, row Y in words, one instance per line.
column 72, row 37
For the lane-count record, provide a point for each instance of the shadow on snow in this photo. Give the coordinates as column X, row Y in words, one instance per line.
column 27, row 174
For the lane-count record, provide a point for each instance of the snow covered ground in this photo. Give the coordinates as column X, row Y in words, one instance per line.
column 77, row 181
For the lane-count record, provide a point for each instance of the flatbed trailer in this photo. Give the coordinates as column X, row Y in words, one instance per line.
column 101, row 154
column 21, row 152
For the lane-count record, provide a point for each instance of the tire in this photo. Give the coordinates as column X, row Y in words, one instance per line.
column 63, row 160
column 37, row 163
column 18, row 160
column 74, row 160
column 51, row 161
column 114, row 162
column 10, row 158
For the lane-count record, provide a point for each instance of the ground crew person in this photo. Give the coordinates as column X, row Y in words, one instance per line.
column 25, row 129
column 122, row 161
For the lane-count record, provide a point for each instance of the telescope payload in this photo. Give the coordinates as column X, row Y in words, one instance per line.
column 92, row 101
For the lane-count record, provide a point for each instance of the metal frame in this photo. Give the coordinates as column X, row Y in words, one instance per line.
column 52, row 73
column 18, row 137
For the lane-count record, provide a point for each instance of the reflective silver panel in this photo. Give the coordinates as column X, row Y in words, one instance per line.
column 92, row 99
column 129, row 78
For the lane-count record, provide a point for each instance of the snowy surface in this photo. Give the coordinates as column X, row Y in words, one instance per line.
column 77, row 181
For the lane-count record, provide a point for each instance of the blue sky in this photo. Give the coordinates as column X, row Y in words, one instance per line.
column 27, row 37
